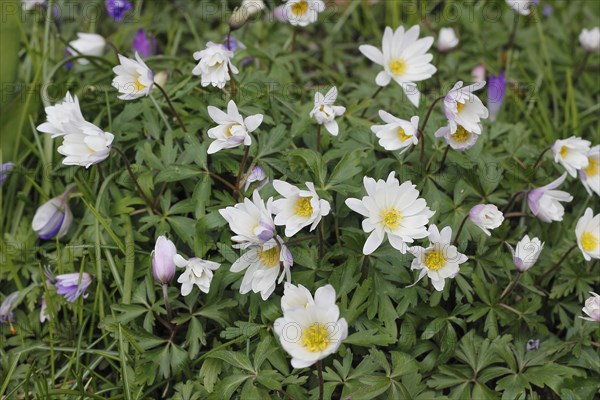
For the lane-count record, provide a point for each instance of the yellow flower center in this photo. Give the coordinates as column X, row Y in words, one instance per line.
column 461, row 135
column 316, row 337
column 269, row 258
column 592, row 168
column 391, row 218
column 434, row 260
column 588, row 241
column 138, row 85
column 303, row 207
column 459, row 107
column 402, row 135
column 300, row 8
column 563, row 151
column 397, row 66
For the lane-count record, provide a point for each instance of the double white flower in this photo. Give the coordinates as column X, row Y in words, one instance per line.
column 397, row 133
column 404, row 59
column 544, row 201
column 197, row 272
column 324, row 112
column 391, row 210
column 134, row 79
column 233, row 129
column 298, row 208
column 588, row 235
column 251, row 220
column 571, row 153
column 214, row 65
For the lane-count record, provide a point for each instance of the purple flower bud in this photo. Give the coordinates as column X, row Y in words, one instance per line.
column 547, row 10
column 257, row 174
column 53, row 218
column 69, row 64
column 71, row 286
column 6, row 308
column 4, row 170
column 117, row 8
column 163, row 266
column 144, row 43
column 496, row 91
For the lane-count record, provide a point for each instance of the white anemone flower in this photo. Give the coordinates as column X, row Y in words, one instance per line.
column 214, row 65
column 545, row 201
column 263, row 264
column 60, row 114
column 233, row 129
column 197, row 272
column 251, row 220
column 588, row 235
column 303, row 12
column 313, row 332
column 592, row 308
column 134, row 79
column 590, row 175
column 396, row 134
column 391, row 210
column 298, row 208
column 571, row 153
column 460, row 140
column 447, row 40
column 526, row 252
column 440, row 260
column 300, row 297
column 463, row 108
column 590, row 39
column 89, row 44
column 324, row 112
column 522, row 7
column 404, row 59
column 486, row 216
column 85, row 144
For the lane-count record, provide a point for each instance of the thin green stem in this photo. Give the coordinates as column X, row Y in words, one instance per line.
column 320, row 376
column 557, row 265
column 379, row 89
column 460, row 228
column 175, row 113
column 318, row 138
column 165, row 291
column 511, row 286
column 539, row 159
column 242, row 165
column 422, row 130
column 135, row 182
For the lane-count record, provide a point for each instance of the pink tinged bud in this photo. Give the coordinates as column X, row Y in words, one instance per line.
column 53, row 218
column 486, row 216
column 478, row 73
column 163, row 266
column 280, row 13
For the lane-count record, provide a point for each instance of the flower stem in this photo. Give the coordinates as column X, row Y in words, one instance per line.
column 242, row 165
column 422, row 130
column 539, row 159
column 580, row 68
column 513, row 33
column 294, row 33
column 460, row 228
column 511, row 286
column 167, row 305
column 512, row 200
column 441, row 163
column 318, row 138
column 175, row 113
column 135, row 182
column 321, row 239
column 222, row 180
column 379, row 89
column 320, row 375
column 516, row 215
column 232, row 87
column 557, row 265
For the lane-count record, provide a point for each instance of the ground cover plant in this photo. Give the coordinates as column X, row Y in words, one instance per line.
column 353, row 199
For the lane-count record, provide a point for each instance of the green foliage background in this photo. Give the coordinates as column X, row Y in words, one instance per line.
column 404, row 343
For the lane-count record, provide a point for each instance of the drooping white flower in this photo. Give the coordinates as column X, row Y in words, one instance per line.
column 526, row 253
column 544, row 201
column 89, row 44
column 53, row 218
column 60, row 114
column 447, row 40
column 298, row 208
column 463, row 108
column 522, row 7
column 397, row 133
column 214, row 65
column 590, row 175
column 197, row 272
column 324, row 112
column 313, row 332
column 256, row 174
column 251, row 220
column 460, row 140
column 163, row 266
column 263, row 264
column 6, row 314
column 587, row 231
column 85, row 144
column 590, row 39
column 302, row 12
column 571, row 153
column 247, row 9
column 404, row 59
column 233, row 129
column 440, row 260
column 134, row 79
column 592, row 308
column 391, row 210
column 486, row 216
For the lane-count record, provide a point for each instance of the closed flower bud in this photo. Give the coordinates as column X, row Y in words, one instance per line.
column 247, row 9
column 53, row 218
column 89, row 44
column 545, row 201
column 486, row 216
column 526, row 253
column 447, row 40
column 161, row 78
column 163, row 266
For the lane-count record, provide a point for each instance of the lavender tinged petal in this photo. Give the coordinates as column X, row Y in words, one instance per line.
column 496, row 92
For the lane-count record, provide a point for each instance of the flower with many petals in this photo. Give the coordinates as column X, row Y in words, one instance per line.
column 324, row 112
column 447, row 40
column 592, row 308
column 197, row 272
column 296, row 297
column 89, row 44
column 571, row 153
column 214, row 65
column 404, row 59
column 544, row 201
column 134, row 79
column 85, row 144
column 60, row 114
column 396, row 134
column 588, row 235
column 233, row 129
column 298, row 208
column 486, row 216
column 590, row 175
column 460, row 140
column 72, row 285
column 251, row 220
column 53, row 218
column 526, row 253
column 391, row 210
column 464, row 109
column 590, row 39
column 302, row 12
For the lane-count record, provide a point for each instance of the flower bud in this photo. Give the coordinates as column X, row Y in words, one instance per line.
column 161, row 78
column 163, row 266
column 144, row 43
column 526, row 253
column 247, row 9
column 486, row 216
column 592, row 308
column 53, row 218
column 447, row 40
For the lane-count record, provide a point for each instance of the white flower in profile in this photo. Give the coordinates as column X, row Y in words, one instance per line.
column 440, row 260
column 391, row 210
column 85, row 144
column 89, row 44
column 592, row 308
column 486, row 216
column 134, row 79
column 590, row 175
column 460, row 140
column 263, row 264
column 197, row 272
column 590, row 39
column 251, row 220
column 312, row 332
column 463, row 108
column 522, row 7
column 298, row 208
column 233, row 129
column 571, row 153
column 587, row 231
column 303, row 12
column 447, row 40
column 526, row 253
column 324, row 112
column 214, row 65
column 544, row 201
column 404, row 59
column 397, row 133
column 60, row 114
column 256, row 174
